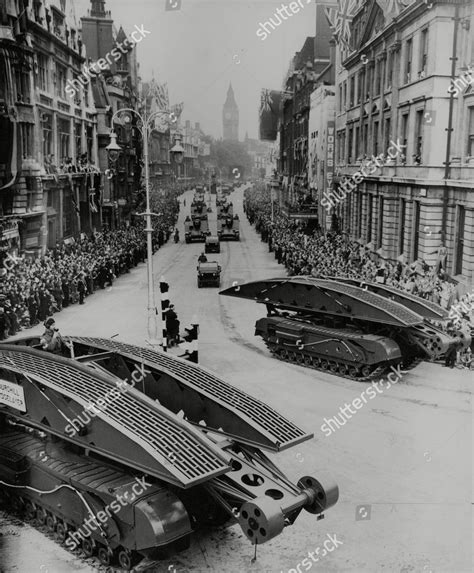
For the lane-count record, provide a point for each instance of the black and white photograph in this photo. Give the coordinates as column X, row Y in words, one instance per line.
column 236, row 286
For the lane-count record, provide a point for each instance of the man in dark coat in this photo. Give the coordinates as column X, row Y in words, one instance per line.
column 81, row 289
column 172, row 326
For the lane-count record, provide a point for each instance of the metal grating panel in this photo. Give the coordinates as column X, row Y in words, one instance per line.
column 408, row 317
column 282, row 430
column 192, row 459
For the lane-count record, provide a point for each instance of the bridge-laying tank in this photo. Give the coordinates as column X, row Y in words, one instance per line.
column 125, row 451
column 351, row 331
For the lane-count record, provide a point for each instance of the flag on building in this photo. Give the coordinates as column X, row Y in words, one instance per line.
column 340, row 19
column 160, row 92
column 392, row 8
column 269, row 114
column 177, row 110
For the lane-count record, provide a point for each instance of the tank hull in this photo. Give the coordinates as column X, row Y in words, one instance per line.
column 345, row 352
column 79, row 498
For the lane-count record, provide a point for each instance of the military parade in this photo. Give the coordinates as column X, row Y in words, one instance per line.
column 222, row 352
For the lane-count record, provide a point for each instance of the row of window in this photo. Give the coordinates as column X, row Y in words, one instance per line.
column 376, row 237
column 43, row 81
column 60, row 80
column 374, row 77
column 357, row 140
column 63, row 139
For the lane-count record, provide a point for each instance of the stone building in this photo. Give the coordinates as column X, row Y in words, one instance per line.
column 405, row 133
column 310, row 67
column 49, row 179
column 114, row 84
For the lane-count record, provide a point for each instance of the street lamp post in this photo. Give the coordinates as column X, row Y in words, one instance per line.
column 145, row 127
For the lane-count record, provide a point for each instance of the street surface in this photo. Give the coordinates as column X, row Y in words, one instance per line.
column 403, row 463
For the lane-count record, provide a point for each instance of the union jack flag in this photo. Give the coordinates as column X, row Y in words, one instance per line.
column 161, row 94
column 340, row 19
column 177, row 109
column 392, row 8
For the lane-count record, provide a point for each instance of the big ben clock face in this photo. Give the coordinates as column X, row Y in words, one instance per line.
column 228, row 115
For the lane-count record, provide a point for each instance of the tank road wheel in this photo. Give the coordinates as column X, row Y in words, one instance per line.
column 41, row 516
column 283, row 353
column 354, row 372
column 51, row 522
column 324, row 364
column 366, row 370
column 126, row 559
column 316, row 362
column 104, row 555
column 61, row 532
column 292, row 356
column 334, row 367
column 30, row 510
column 343, row 369
column 88, row 547
column 308, row 360
column 299, row 358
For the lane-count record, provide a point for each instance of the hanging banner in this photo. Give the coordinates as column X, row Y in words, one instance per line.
column 330, row 140
column 269, row 114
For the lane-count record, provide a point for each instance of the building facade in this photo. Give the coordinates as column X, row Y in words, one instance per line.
column 49, row 177
column 309, row 68
column 402, row 136
column 114, row 85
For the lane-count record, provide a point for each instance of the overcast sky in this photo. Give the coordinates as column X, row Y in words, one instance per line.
column 197, row 51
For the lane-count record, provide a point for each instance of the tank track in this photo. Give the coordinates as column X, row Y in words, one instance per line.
column 302, row 358
column 43, row 520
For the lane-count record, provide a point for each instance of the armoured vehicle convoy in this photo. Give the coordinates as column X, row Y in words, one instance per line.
column 124, row 451
column 196, row 228
column 351, row 331
column 228, row 228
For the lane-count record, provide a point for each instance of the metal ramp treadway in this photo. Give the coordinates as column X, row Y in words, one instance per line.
column 271, row 430
column 309, row 294
column 422, row 306
column 174, row 449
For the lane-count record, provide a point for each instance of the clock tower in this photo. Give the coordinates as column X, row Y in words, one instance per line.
column 230, row 116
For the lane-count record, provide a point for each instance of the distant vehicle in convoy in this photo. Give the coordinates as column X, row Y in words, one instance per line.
column 209, row 274
column 224, row 208
column 212, row 244
column 228, row 228
column 196, row 228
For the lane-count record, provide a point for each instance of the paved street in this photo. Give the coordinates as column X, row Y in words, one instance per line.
column 403, row 462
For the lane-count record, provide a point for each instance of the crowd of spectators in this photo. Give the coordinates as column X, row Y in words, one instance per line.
column 33, row 289
column 326, row 255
